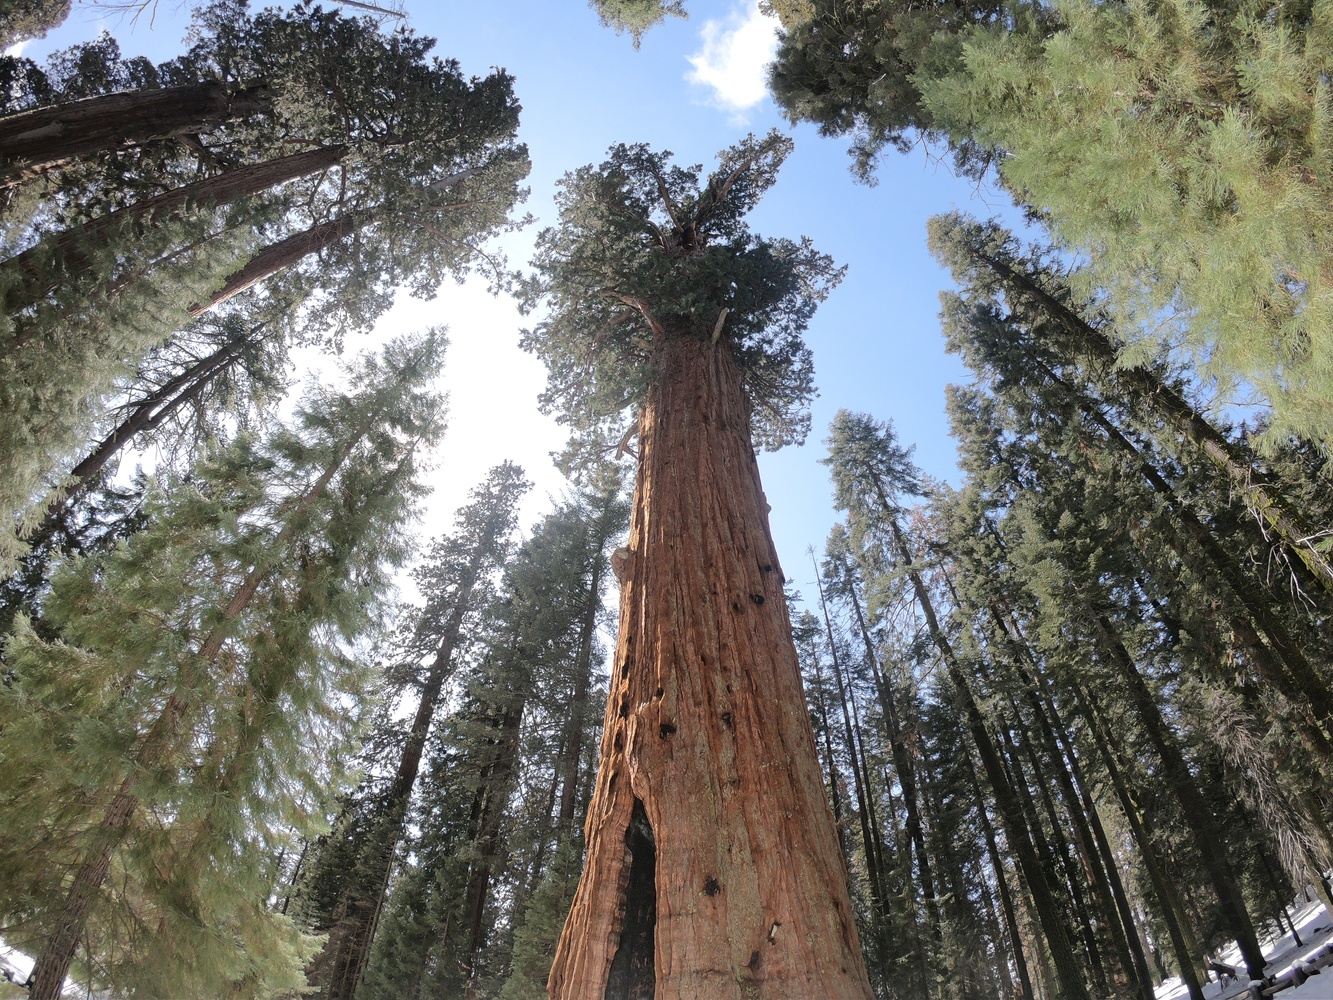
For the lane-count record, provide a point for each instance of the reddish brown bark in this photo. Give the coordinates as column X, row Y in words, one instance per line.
column 713, row 871
column 281, row 255
column 52, row 136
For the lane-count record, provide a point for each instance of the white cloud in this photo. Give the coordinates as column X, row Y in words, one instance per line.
column 733, row 57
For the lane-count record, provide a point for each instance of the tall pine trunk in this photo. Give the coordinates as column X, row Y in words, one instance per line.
column 1146, row 392
column 337, row 969
column 572, row 753
column 1016, row 828
column 1198, row 816
column 51, row 136
column 713, row 870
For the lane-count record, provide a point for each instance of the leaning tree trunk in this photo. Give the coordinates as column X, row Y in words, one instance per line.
column 68, row 254
column 1259, row 490
column 713, row 871
column 52, row 136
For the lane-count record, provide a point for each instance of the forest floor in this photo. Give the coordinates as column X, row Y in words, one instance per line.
column 1313, row 924
column 1315, row 927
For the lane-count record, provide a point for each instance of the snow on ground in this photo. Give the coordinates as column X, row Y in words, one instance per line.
column 1315, row 927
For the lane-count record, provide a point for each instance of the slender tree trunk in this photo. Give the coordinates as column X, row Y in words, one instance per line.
column 1187, row 952
column 578, row 700
column 71, row 252
column 1151, row 395
column 277, row 257
column 144, row 416
column 1076, row 808
column 860, row 781
column 1088, row 824
column 1016, row 828
column 713, row 870
column 44, row 138
column 1052, row 848
column 337, row 969
column 903, row 764
column 835, row 795
column 52, row 965
column 1002, row 885
column 1299, row 681
column 1198, row 816
column 499, row 782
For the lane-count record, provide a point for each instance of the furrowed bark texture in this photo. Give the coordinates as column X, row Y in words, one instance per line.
column 53, row 136
column 709, row 781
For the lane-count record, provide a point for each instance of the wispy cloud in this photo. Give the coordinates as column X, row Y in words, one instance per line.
column 733, row 57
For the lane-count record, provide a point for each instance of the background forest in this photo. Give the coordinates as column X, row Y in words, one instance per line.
column 327, row 351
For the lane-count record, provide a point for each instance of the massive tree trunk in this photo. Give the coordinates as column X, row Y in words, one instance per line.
column 713, row 870
column 48, row 137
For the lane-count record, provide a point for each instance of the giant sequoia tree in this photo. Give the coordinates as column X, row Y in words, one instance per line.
column 712, row 866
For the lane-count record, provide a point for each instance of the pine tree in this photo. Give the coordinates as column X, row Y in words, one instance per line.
column 166, row 735
column 988, row 262
column 352, row 876
column 636, row 16
column 706, row 734
column 870, row 471
column 24, row 19
column 1181, row 146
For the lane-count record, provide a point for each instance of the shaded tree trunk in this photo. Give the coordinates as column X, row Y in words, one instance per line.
column 44, row 138
column 1198, row 817
column 68, row 254
column 713, row 870
column 860, row 780
column 1151, row 395
column 337, row 969
column 144, row 415
column 906, row 769
column 1182, row 943
column 1016, row 829
column 496, row 789
column 52, row 964
column 1002, row 886
column 578, row 700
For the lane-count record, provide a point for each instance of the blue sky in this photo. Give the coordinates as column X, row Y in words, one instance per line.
column 694, row 86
